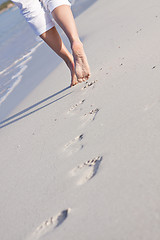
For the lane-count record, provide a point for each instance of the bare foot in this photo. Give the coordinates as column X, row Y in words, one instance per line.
column 81, row 64
column 70, row 64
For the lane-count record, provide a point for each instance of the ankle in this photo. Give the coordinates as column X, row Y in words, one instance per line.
column 76, row 43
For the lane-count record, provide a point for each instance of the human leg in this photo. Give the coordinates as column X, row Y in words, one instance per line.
column 40, row 21
column 62, row 14
column 43, row 25
column 52, row 38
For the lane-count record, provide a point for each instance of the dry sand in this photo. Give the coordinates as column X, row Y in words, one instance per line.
column 84, row 162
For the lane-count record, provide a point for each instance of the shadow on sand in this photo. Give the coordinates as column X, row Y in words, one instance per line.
column 29, row 110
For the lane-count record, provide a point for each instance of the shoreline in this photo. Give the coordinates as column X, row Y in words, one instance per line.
column 7, row 7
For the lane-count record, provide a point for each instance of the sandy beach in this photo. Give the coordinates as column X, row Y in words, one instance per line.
column 83, row 163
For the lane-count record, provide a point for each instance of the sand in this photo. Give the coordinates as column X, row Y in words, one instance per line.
column 83, row 162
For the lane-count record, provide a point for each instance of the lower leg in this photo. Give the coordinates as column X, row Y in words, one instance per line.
column 64, row 17
column 53, row 40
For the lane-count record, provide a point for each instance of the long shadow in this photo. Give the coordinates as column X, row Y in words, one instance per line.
column 27, row 111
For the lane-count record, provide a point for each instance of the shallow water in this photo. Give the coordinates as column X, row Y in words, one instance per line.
column 17, row 43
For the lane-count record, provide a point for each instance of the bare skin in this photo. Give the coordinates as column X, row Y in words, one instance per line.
column 52, row 38
column 77, row 63
column 81, row 63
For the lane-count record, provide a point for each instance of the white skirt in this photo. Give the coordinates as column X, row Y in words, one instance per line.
column 38, row 13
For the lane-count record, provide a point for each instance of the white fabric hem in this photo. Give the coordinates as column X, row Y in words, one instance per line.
column 44, row 29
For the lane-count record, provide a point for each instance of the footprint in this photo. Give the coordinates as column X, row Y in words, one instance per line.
column 74, row 145
column 49, row 225
column 75, row 106
column 89, row 84
column 139, row 30
column 91, row 115
column 87, row 170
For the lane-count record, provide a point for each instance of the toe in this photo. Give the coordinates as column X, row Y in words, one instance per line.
column 73, row 83
column 80, row 80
